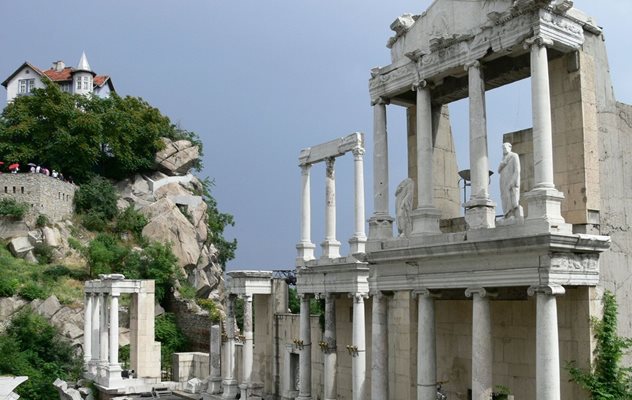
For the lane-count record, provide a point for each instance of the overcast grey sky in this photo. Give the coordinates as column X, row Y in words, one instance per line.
column 259, row 80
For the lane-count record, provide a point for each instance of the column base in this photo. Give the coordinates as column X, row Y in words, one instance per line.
column 331, row 249
column 231, row 389
column 426, row 221
column 113, row 375
column 480, row 214
column 381, row 227
column 357, row 244
column 305, row 252
column 214, row 386
column 544, row 206
column 304, row 397
column 91, row 370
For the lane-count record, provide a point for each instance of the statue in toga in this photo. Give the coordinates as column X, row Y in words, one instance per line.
column 509, row 170
column 404, row 206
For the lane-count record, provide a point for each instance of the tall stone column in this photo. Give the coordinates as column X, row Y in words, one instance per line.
column 426, row 215
column 305, row 247
column 103, row 340
column 544, row 200
column 114, row 368
column 482, row 349
column 230, row 382
column 480, row 211
column 87, row 331
column 96, row 336
column 358, row 241
column 379, row 347
column 547, row 357
column 331, row 247
column 248, row 348
column 215, row 377
column 381, row 223
column 305, row 355
column 358, row 362
column 426, row 347
column 330, row 357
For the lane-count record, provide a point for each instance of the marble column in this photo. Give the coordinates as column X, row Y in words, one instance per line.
column 358, row 241
column 96, row 336
column 482, row 348
column 425, row 216
column 381, row 223
column 544, row 200
column 358, row 362
column 230, row 382
column 331, row 247
column 379, row 347
column 114, row 330
column 547, row 358
column 330, row 357
column 87, row 331
column 305, row 355
column 426, row 347
column 103, row 332
column 248, row 348
column 215, row 377
column 305, row 247
column 480, row 211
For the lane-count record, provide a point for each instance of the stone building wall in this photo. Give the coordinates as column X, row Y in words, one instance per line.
column 195, row 326
column 45, row 195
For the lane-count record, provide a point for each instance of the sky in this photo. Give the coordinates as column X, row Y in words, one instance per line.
column 260, row 80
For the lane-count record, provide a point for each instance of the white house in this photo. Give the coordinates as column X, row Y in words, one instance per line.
column 79, row 80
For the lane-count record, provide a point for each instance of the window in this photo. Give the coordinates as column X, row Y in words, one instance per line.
column 26, row 86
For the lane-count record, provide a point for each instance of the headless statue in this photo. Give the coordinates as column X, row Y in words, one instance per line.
column 509, row 170
column 404, row 206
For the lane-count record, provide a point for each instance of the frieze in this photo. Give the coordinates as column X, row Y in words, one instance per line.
column 575, row 262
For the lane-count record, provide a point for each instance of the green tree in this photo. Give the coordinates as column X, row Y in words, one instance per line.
column 97, row 196
column 607, row 380
column 81, row 135
column 31, row 346
column 217, row 222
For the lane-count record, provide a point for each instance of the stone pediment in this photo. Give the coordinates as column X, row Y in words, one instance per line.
column 444, row 20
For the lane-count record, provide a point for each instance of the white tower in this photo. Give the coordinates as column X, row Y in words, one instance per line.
column 82, row 77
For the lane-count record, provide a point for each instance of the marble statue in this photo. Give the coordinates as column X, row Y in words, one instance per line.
column 509, row 170
column 404, row 206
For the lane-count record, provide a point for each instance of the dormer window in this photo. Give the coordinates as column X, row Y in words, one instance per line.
column 26, row 86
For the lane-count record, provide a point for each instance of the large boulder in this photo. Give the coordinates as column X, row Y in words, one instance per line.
column 47, row 308
column 173, row 227
column 10, row 228
column 20, row 246
column 177, row 157
column 51, row 236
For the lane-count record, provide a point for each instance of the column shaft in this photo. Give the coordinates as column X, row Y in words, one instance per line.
column 305, row 247
column 215, row 376
column 331, row 247
column 330, row 356
column 229, row 383
column 482, row 350
column 380, row 160
column 479, row 165
column 547, row 358
column 114, row 330
column 358, row 363
column 248, row 348
column 426, row 348
column 424, row 148
column 379, row 350
column 358, row 241
column 87, row 329
column 96, row 327
column 305, row 356
column 104, row 329
column 542, row 128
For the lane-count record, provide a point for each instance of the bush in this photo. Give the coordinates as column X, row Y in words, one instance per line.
column 42, row 221
column 105, row 255
column 94, row 221
column 32, row 290
column 75, row 244
column 170, row 336
column 11, row 208
column 31, row 346
column 8, row 287
column 43, row 253
column 130, row 220
column 210, row 306
column 98, row 196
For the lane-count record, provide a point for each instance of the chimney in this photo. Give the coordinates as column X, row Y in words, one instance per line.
column 58, row 66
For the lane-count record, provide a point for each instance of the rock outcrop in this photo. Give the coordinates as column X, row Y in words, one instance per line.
column 177, row 157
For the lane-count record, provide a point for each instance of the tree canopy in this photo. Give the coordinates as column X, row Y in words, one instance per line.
column 80, row 136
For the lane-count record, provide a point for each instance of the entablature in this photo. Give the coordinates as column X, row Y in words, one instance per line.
column 249, row 282
column 333, row 278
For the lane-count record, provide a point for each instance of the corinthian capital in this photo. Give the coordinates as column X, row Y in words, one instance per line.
column 537, row 40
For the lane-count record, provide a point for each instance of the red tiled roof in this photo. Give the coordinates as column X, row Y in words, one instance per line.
column 100, row 80
column 56, row 76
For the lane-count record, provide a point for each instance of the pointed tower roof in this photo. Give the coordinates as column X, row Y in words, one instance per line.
column 84, row 65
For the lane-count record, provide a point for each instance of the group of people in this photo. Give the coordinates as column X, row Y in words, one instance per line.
column 36, row 169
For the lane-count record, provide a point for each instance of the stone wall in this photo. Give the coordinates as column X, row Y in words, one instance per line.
column 191, row 365
column 45, row 195
column 194, row 323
